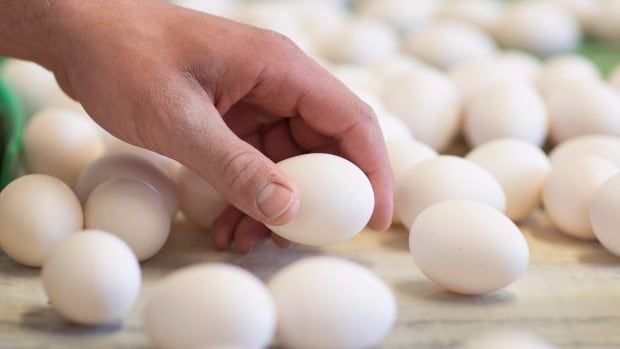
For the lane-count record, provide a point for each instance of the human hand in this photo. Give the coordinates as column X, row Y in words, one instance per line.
column 225, row 99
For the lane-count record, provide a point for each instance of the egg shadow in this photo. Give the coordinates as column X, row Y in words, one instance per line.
column 398, row 239
column 10, row 268
column 541, row 228
column 46, row 320
column 427, row 291
column 600, row 257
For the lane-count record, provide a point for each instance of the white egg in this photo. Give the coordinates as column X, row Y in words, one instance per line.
column 606, row 21
column 91, row 278
column 584, row 10
column 583, row 109
column 200, row 202
column 327, row 302
column 569, row 190
column 117, row 146
column 520, row 168
column 567, row 70
column 392, row 128
column 474, row 77
column 36, row 211
column 391, row 67
column 210, row 306
column 507, row 339
column 520, row 62
column 127, row 166
column 360, row 41
column 60, row 143
column 538, row 27
column 445, row 178
column 468, row 247
column 357, row 78
column 604, row 214
column 484, row 14
column 336, row 199
column 405, row 154
column 33, row 84
column 430, row 105
column 319, row 19
column 60, row 100
column 405, row 15
column 506, row 110
column 614, row 78
column 222, row 8
column 132, row 210
column 606, row 147
column 446, row 44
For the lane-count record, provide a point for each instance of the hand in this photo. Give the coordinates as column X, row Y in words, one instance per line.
column 222, row 98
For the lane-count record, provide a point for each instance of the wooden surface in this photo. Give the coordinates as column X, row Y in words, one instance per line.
column 569, row 295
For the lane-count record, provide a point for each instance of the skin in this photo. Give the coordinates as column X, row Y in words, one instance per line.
column 224, row 99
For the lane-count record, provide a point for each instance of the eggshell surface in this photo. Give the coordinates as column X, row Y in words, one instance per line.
column 569, row 190
column 60, row 143
column 200, row 202
column 506, row 110
column 33, row 84
column 476, row 251
column 604, row 214
column 445, row 178
column 92, row 278
column 220, row 306
column 127, row 166
column 132, row 210
column 36, row 212
column 521, row 170
column 336, row 199
column 606, row 147
column 323, row 302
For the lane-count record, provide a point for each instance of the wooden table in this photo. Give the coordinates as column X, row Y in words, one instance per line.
column 569, row 295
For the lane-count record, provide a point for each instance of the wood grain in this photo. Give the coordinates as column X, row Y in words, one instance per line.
column 569, row 295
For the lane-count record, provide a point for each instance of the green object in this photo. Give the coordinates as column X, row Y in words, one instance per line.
column 605, row 55
column 11, row 130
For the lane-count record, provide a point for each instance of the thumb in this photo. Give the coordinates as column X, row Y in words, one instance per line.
column 199, row 138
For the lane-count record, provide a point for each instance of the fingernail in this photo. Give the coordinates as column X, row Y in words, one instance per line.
column 274, row 200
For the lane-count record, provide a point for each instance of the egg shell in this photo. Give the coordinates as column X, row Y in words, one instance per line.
column 91, row 278
column 131, row 209
column 117, row 146
column 506, row 110
column 606, row 21
column 507, row 339
column 33, row 84
column 210, row 306
column 606, row 147
column 127, row 166
column 357, row 78
column 476, row 76
column 323, row 302
column 445, row 178
column 402, row 14
column 200, row 202
column 359, row 41
column 538, row 27
column 484, row 14
column 468, row 247
column 583, row 109
column 60, row 100
column 393, row 66
column 565, row 70
column 392, row 127
column 445, row 44
column 584, row 10
column 569, row 190
column 60, row 143
column 604, row 214
column 522, row 63
column 429, row 103
column 336, row 199
column 36, row 212
column 521, row 170
column 614, row 78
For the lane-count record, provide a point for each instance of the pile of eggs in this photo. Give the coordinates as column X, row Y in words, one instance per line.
column 436, row 75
